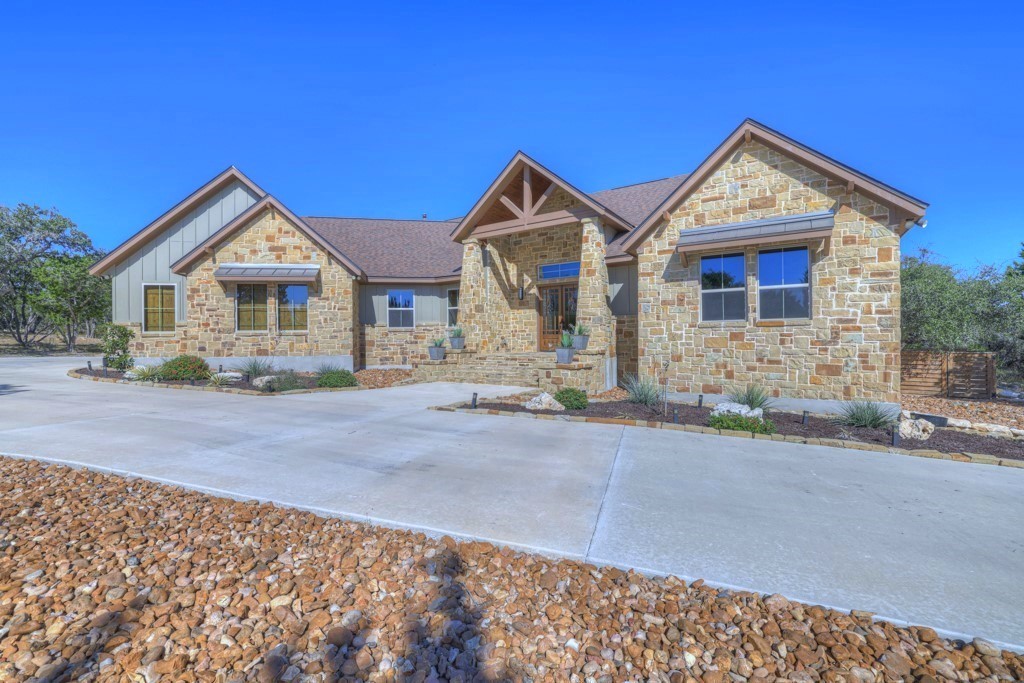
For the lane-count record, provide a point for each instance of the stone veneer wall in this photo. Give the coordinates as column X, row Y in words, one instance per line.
column 626, row 345
column 209, row 326
column 849, row 349
column 383, row 345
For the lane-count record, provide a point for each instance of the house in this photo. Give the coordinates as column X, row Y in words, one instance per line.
column 769, row 263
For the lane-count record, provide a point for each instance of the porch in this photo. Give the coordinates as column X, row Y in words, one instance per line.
column 525, row 369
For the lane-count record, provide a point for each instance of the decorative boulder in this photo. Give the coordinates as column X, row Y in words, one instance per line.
column 544, row 401
column 919, row 430
column 261, row 382
column 729, row 408
column 229, row 376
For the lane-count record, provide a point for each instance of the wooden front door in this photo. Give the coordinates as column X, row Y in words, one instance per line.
column 557, row 313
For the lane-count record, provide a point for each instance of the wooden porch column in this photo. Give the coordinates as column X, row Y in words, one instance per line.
column 592, row 307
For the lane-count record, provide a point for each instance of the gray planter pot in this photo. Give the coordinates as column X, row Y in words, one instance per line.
column 457, row 342
column 563, row 356
column 580, row 341
column 436, row 352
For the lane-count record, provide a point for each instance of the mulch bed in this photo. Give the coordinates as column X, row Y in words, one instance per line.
column 106, row 578
column 307, row 379
column 790, row 424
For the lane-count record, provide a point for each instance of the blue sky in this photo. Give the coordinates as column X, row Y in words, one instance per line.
column 114, row 113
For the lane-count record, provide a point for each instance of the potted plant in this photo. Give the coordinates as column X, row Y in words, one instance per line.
column 580, row 337
column 436, row 349
column 565, row 350
column 457, row 338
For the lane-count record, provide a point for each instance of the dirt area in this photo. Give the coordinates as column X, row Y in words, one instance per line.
column 1000, row 412
column 50, row 346
column 107, row 578
column 943, row 440
column 381, row 379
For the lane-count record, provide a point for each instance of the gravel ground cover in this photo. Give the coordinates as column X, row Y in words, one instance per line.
column 106, row 578
column 943, row 440
column 1008, row 413
column 381, row 379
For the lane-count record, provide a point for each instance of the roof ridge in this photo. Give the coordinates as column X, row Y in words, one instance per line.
column 643, row 182
column 408, row 220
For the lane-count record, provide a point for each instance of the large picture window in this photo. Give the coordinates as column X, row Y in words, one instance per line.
column 251, row 308
column 453, row 307
column 292, row 302
column 784, row 283
column 158, row 308
column 554, row 271
column 400, row 308
column 723, row 292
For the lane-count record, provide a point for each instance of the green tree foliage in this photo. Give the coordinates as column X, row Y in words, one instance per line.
column 28, row 236
column 68, row 297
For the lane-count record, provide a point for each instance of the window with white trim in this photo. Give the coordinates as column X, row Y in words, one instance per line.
column 158, row 308
column 401, row 308
column 723, row 290
column 784, row 284
column 453, row 307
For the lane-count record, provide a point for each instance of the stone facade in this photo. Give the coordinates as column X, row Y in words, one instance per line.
column 208, row 329
column 626, row 349
column 848, row 349
column 385, row 346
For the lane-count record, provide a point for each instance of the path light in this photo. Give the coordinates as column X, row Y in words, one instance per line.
column 896, row 435
column 90, row 366
column 473, row 402
column 806, row 418
column 675, row 415
column 700, row 400
column 220, row 369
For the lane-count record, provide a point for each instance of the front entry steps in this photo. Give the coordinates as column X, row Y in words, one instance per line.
column 530, row 370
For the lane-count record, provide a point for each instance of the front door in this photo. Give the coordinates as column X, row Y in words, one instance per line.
column 557, row 313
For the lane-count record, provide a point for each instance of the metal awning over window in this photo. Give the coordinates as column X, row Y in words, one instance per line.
column 252, row 272
column 766, row 231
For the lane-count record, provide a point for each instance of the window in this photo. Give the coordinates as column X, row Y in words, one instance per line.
column 453, row 307
column 723, row 292
column 784, row 283
column 400, row 308
column 251, row 308
column 158, row 308
column 291, row 307
column 553, row 271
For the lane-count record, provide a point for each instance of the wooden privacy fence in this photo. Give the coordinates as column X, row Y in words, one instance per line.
column 954, row 374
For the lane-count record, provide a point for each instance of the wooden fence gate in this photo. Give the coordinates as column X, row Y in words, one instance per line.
column 954, row 374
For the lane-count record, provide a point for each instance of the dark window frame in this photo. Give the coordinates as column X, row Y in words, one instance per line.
column 723, row 290
column 292, row 309
column 253, row 307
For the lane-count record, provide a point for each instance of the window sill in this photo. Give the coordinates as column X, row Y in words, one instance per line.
column 293, row 333
column 796, row 322
column 159, row 334
column 252, row 333
column 718, row 324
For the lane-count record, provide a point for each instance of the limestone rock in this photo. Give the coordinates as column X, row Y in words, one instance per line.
column 261, row 382
column 919, row 430
column 230, row 376
column 544, row 401
column 730, row 408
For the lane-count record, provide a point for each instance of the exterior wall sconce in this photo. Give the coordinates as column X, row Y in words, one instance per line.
column 520, row 293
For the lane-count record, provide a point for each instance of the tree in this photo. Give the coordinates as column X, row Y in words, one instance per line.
column 68, row 296
column 28, row 236
column 1017, row 267
column 937, row 312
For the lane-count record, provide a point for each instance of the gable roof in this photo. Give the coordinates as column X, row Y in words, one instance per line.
column 518, row 161
column 748, row 130
column 250, row 214
column 395, row 250
column 133, row 243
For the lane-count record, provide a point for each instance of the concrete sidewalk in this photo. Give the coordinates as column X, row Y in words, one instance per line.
column 931, row 542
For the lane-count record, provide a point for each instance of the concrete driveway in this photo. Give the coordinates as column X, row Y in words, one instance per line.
column 929, row 542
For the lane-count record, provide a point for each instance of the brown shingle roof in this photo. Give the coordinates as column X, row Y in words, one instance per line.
column 416, row 249
column 394, row 248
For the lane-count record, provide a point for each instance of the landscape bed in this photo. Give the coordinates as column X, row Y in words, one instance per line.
column 787, row 424
column 125, row 579
column 368, row 379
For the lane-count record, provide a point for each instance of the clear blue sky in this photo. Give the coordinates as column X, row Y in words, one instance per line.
column 113, row 114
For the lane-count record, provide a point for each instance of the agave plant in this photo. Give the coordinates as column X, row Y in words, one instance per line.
column 327, row 369
column 146, row 373
column 217, row 379
column 754, row 396
column 566, row 341
column 255, row 367
column 866, row 414
column 439, row 342
column 642, row 390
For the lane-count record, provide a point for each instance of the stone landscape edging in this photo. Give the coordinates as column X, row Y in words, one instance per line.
column 977, row 458
column 224, row 390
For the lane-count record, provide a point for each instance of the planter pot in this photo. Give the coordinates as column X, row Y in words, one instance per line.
column 457, row 342
column 580, row 341
column 564, row 356
column 436, row 352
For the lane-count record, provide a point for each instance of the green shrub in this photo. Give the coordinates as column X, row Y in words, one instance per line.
column 255, row 367
column 286, row 381
column 867, row 414
column 184, row 368
column 754, row 396
column 146, row 373
column 741, row 423
column 327, row 368
column 337, row 379
column 642, row 390
column 114, row 340
column 572, row 399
